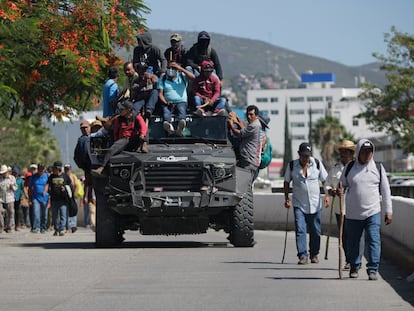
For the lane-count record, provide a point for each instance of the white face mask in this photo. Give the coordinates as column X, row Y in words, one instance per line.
column 171, row 73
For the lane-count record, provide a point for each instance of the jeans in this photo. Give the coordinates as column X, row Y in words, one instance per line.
column 39, row 215
column 59, row 215
column 179, row 108
column 355, row 228
column 149, row 103
column 72, row 222
column 345, row 241
column 302, row 223
column 219, row 104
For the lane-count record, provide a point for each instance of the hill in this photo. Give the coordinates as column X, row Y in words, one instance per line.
column 252, row 57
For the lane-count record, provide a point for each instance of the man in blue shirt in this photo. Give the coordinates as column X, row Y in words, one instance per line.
column 110, row 92
column 306, row 172
column 40, row 199
column 173, row 96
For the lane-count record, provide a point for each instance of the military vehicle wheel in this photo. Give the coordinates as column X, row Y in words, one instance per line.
column 107, row 231
column 241, row 233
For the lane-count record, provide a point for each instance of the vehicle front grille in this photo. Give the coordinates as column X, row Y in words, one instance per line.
column 173, row 177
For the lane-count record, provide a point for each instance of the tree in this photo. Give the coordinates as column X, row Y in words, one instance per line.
column 391, row 108
column 325, row 134
column 26, row 142
column 287, row 156
column 55, row 54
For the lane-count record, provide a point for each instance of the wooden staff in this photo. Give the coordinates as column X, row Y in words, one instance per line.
column 329, row 229
column 341, row 230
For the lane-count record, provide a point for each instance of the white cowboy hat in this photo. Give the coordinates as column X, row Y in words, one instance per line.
column 3, row 169
column 346, row 144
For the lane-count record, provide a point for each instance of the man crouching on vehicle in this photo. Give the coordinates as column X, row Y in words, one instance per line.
column 129, row 133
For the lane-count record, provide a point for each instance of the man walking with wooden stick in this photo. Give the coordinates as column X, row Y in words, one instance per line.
column 346, row 149
column 306, row 172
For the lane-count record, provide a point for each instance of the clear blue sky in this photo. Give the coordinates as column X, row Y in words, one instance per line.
column 345, row 31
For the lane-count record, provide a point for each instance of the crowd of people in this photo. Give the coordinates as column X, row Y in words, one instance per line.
column 36, row 199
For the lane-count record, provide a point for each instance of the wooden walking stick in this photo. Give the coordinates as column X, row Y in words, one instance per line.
column 341, row 231
column 286, row 232
column 329, row 229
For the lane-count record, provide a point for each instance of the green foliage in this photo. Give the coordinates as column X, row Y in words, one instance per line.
column 391, row 108
column 325, row 134
column 56, row 53
column 26, row 142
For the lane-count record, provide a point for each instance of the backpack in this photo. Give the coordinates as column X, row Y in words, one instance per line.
column 377, row 164
column 316, row 160
column 266, row 156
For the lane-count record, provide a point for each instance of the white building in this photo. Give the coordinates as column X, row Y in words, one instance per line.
column 318, row 97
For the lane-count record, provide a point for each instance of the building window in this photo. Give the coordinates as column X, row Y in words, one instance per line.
column 262, row 100
column 274, row 99
column 297, row 124
column 297, row 99
column 355, row 122
column 318, row 111
column 274, row 112
column 314, row 99
column 298, row 137
column 328, row 98
column 296, row 111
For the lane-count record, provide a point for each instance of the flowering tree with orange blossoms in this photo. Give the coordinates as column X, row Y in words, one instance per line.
column 55, row 54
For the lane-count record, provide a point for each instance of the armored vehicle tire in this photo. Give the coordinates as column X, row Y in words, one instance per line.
column 107, row 231
column 241, row 233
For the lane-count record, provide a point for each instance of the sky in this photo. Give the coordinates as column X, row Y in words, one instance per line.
column 344, row 31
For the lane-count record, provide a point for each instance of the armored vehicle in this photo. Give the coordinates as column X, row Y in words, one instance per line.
column 184, row 185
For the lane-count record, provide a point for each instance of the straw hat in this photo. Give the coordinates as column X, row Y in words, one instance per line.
column 3, row 169
column 346, row 144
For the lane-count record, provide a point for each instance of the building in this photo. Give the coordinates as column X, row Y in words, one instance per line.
column 306, row 105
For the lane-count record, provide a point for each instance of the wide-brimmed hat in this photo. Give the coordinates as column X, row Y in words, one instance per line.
column 96, row 123
column 346, row 144
column 3, row 169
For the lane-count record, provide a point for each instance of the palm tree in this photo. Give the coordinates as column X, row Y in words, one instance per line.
column 326, row 133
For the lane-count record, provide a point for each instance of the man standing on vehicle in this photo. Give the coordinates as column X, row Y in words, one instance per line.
column 305, row 173
column 365, row 183
column 250, row 140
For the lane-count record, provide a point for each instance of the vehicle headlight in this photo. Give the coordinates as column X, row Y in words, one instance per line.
column 220, row 171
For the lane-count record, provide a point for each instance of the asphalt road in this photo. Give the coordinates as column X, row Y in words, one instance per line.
column 197, row 272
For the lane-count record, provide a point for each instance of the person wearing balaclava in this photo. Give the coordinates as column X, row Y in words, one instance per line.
column 176, row 52
column 202, row 51
column 147, row 54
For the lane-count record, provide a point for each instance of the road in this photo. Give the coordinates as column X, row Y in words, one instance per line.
column 196, row 272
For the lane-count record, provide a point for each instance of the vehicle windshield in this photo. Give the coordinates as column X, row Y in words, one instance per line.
column 198, row 129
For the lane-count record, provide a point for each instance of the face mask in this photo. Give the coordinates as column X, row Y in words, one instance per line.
column 175, row 45
column 171, row 73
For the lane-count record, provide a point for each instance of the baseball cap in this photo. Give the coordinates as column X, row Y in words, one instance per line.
column 67, row 165
column 305, row 149
column 57, row 164
column 33, row 166
column 176, row 37
column 207, row 66
column 367, row 145
column 84, row 123
column 126, row 104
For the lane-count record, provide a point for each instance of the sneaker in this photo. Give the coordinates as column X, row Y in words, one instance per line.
column 180, row 127
column 61, row 233
column 168, row 127
column 219, row 112
column 199, row 112
column 42, row 231
column 144, row 147
column 98, row 171
column 347, row 266
column 372, row 276
column 314, row 259
column 55, row 233
column 34, row 231
column 303, row 261
column 74, row 229
column 353, row 274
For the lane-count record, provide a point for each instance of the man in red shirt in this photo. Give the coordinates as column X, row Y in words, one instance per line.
column 206, row 89
column 129, row 133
